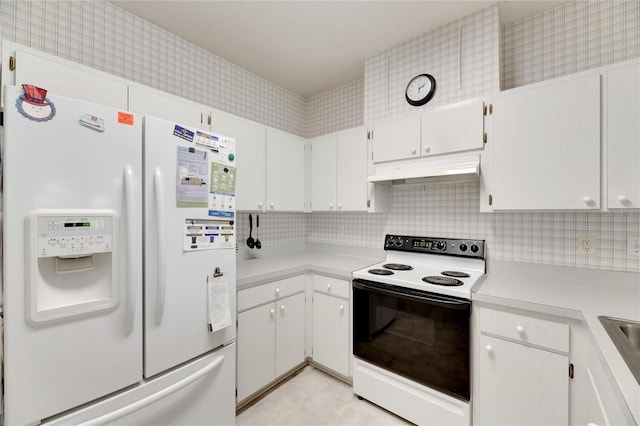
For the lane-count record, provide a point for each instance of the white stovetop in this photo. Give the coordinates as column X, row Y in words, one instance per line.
column 428, row 265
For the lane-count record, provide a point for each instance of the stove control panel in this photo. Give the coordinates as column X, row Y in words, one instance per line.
column 446, row 246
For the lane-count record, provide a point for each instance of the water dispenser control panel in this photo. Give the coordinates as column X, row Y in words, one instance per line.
column 74, row 236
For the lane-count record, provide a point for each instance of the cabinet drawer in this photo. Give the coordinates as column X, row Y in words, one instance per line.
column 332, row 286
column 526, row 329
column 269, row 292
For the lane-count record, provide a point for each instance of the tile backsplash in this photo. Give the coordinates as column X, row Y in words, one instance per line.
column 463, row 55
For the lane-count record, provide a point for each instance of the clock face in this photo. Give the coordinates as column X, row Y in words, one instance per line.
column 420, row 89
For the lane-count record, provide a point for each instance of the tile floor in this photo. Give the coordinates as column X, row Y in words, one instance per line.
column 314, row 398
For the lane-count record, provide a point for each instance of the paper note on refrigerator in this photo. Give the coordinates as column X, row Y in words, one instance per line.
column 218, row 303
column 192, row 169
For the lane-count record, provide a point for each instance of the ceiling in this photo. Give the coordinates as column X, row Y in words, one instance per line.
column 309, row 47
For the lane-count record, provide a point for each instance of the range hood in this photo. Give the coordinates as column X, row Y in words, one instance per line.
column 406, row 172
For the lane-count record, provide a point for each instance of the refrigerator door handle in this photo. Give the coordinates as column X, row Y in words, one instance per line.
column 130, row 217
column 161, row 262
column 153, row 398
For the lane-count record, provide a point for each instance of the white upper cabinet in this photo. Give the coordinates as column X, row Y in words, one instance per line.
column 285, row 171
column 323, row 173
column 623, row 137
column 351, row 173
column 250, row 158
column 396, row 140
column 148, row 101
column 21, row 65
column 453, row 128
column 339, row 171
column 546, row 146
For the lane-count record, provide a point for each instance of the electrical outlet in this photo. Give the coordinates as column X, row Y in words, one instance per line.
column 633, row 245
column 587, row 245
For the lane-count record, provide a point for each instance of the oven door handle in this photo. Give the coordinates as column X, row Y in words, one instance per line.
column 435, row 299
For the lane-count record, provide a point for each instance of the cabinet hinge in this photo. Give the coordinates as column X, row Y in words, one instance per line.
column 490, row 109
column 370, row 134
column 236, row 324
column 484, row 137
column 490, row 199
column 12, row 63
column 571, row 369
column 201, row 118
column 209, row 120
column 484, row 109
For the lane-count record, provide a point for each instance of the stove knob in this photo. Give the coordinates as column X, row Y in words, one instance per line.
column 389, row 242
column 399, row 242
column 463, row 247
column 474, row 248
column 441, row 245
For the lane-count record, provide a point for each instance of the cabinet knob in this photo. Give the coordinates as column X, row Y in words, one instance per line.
column 272, row 311
column 413, row 151
column 624, row 200
column 341, row 308
column 520, row 330
column 328, row 286
column 277, row 290
column 489, row 349
column 271, row 205
column 427, row 149
column 259, row 205
column 281, row 308
column 339, row 205
column 588, row 201
column 592, row 424
column 330, row 205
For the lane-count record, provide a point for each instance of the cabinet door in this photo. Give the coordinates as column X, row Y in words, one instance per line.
column 290, row 333
column 256, row 349
column 351, row 173
column 65, row 78
column 623, row 136
column 331, row 332
column 453, row 128
column 520, row 385
column 396, row 140
column 546, row 152
column 285, row 171
column 250, row 157
column 144, row 100
column 323, row 173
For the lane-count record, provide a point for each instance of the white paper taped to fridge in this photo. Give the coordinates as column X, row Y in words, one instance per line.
column 218, row 302
column 192, row 171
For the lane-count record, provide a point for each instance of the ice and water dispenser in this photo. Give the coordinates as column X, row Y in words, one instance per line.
column 73, row 263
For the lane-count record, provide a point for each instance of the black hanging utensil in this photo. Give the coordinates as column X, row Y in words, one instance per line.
column 250, row 241
column 258, row 243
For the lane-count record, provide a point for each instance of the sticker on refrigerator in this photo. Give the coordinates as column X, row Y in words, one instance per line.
column 34, row 104
column 219, row 315
column 208, row 234
column 222, row 192
column 192, row 176
column 205, row 139
column 183, row 133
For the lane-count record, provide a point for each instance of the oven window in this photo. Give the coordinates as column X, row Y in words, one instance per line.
column 413, row 335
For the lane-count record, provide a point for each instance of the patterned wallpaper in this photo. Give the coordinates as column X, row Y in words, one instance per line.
column 103, row 36
column 464, row 57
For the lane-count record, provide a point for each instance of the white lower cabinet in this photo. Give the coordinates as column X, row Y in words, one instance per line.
column 331, row 321
column 521, row 373
column 271, row 336
column 521, row 385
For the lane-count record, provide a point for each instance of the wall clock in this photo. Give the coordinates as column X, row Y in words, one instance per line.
column 420, row 89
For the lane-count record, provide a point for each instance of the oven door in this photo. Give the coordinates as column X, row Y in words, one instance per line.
column 416, row 334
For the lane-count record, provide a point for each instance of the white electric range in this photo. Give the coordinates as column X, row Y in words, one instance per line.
column 411, row 328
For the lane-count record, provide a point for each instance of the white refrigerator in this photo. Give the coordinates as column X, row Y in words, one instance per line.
column 118, row 266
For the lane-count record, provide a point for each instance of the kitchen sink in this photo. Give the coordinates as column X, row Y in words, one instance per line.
column 625, row 335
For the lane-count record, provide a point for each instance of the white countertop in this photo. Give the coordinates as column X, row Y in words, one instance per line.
column 582, row 294
column 328, row 260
